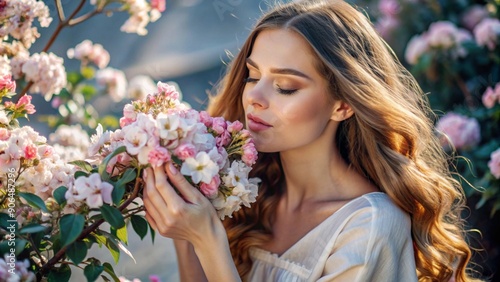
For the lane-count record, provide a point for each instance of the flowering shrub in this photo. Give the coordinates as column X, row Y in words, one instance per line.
column 452, row 48
column 57, row 193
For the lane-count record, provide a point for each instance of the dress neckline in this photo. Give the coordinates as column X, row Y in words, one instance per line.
column 317, row 227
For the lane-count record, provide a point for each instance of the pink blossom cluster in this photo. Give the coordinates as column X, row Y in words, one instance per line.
column 141, row 14
column 87, row 52
column 45, row 71
column 7, row 85
column 20, row 272
column 487, row 33
column 114, row 81
column 494, row 163
column 461, row 131
column 388, row 20
column 17, row 17
column 215, row 154
column 70, row 142
column 23, row 106
column 474, row 15
column 491, row 96
column 24, row 150
column 442, row 35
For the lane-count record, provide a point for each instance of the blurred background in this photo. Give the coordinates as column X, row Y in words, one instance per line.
column 452, row 48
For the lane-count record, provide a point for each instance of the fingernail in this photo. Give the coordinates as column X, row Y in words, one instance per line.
column 172, row 169
column 145, row 173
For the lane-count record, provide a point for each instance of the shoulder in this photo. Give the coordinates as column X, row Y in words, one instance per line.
column 378, row 218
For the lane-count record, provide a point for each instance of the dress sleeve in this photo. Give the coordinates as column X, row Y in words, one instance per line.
column 375, row 245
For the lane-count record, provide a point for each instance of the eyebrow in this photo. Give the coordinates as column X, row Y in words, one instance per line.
column 280, row 71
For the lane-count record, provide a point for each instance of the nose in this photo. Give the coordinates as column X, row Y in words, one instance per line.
column 254, row 95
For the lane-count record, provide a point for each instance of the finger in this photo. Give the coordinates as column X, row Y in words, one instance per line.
column 188, row 192
column 153, row 200
column 164, row 188
column 151, row 222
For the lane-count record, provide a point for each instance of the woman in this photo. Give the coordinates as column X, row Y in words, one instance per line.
column 355, row 186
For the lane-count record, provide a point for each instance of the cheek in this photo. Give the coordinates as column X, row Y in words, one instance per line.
column 300, row 112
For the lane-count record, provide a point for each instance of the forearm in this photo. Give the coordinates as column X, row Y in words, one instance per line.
column 189, row 265
column 215, row 257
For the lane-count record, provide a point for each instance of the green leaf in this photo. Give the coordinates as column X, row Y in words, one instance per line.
column 105, row 239
column 108, row 268
column 4, row 220
column 83, row 165
column 140, row 225
column 152, row 231
column 104, row 164
column 112, row 215
column 121, row 233
column 60, row 195
column 129, row 175
column 61, row 274
column 71, row 225
column 117, row 193
column 81, row 173
column 34, row 201
column 495, row 208
column 74, row 78
column 77, row 252
column 92, row 271
column 32, row 228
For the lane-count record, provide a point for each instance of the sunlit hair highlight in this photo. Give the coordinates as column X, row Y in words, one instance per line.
column 390, row 139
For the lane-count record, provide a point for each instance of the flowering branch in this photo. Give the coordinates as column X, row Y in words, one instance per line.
column 91, row 228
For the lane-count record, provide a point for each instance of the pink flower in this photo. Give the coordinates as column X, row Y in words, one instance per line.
column 115, row 82
column 249, row 156
column 210, row 189
column 219, row 125
column 184, row 151
column 25, row 103
column 206, row 119
column 461, row 131
column 158, row 5
column 30, row 152
column 491, row 96
column 223, row 139
column 474, row 15
column 4, row 134
column 416, row 47
column 386, row 25
column 7, row 84
column 234, row 127
column 494, row 163
column 158, row 156
column 487, row 32
column 389, row 7
column 167, row 90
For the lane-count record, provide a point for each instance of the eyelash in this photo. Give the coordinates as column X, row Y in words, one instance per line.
column 279, row 89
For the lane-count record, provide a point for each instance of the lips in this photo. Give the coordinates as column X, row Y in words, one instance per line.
column 256, row 124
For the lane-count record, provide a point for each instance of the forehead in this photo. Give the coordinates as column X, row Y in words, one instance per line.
column 283, row 48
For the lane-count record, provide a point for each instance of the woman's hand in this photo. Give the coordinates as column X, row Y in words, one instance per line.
column 187, row 215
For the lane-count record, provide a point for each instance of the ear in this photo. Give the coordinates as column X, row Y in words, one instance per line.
column 341, row 111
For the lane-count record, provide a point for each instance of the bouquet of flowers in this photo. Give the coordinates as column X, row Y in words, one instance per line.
column 215, row 155
column 53, row 210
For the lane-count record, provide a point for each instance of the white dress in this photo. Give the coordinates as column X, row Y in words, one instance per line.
column 368, row 239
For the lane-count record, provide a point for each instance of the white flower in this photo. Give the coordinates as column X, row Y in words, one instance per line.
column 200, row 168
column 135, row 139
column 140, row 86
column 93, row 190
column 98, row 140
column 168, row 126
column 115, row 82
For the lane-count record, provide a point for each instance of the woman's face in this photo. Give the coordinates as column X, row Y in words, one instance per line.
column 285, row 98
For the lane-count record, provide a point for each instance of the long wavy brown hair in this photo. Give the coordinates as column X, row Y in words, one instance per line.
column 390, row 139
